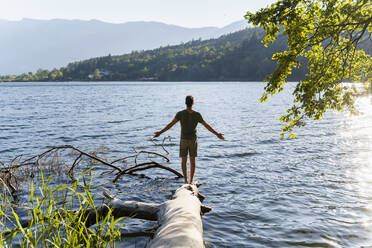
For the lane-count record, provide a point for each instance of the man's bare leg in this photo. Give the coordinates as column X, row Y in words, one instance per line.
column 192, row 168
column 184, row 168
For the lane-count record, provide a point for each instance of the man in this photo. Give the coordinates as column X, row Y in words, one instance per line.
column 188, row 145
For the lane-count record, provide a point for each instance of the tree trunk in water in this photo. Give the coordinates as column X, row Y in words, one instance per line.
column 179, row 220
column 138, row 210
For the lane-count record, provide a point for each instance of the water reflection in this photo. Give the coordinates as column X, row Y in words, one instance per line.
column 356, row 140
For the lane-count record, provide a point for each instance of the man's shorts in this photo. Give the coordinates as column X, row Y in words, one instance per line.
column 188, row 147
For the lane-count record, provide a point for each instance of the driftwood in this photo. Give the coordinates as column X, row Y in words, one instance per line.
column 9, row 178
column 137, row 154
column 139, row 210
column 145, row 166
column 35, row 159
column 162, row 144
column 179, row 219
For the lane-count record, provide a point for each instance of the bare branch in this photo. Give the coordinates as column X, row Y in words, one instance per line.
column 156, row 165
column 14, row 159
column 123, row 159
column 76, row 162
column 153, row 153
column 140, row 167
column 162, row 144
column 90, row 156
column 128, row 169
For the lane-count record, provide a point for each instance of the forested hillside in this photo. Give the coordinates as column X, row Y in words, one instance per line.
column 29, row 44
column 237, row 56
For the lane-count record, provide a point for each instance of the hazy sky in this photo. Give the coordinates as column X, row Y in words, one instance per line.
column 188, row 13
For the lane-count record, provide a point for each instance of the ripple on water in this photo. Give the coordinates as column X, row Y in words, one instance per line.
column 233, row 155
column 313, row 191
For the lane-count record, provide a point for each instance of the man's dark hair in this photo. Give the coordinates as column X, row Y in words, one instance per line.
column 189, row 100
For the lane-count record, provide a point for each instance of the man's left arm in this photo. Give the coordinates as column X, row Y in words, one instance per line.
column 210, row 129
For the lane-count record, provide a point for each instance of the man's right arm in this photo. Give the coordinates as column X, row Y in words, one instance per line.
column 171, row 124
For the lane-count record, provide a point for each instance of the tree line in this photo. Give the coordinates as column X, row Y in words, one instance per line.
column 238, row 56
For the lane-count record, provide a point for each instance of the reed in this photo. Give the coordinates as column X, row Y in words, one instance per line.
column 57, row 217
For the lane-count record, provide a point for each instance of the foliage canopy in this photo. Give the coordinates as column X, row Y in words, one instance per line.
column 326, row 36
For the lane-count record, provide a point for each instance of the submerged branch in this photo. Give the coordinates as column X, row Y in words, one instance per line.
column 51, row 158
column 150, row 165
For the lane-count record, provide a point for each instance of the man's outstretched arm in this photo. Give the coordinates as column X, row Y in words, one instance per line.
column 210, row 129
column 171, row 124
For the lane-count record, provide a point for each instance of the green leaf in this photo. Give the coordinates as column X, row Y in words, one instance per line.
column 292, row 136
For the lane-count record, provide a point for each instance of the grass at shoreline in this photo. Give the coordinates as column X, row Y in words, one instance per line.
column 57, row 218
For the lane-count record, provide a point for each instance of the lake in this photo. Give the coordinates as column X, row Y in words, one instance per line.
column 311, row 191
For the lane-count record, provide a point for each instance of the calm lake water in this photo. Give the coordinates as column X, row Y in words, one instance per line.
column 313, row 191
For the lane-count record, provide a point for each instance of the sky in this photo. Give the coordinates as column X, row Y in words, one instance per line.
column 187, row 13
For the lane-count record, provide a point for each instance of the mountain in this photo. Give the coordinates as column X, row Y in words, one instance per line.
column 28, row 45
column 238, row 56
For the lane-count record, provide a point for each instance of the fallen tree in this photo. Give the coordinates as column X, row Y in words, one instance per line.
column 179, row 219
column 19, row 170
